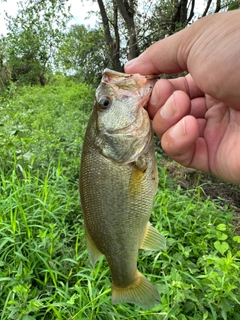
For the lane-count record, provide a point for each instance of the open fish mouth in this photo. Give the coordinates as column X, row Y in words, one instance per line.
column 119, row 78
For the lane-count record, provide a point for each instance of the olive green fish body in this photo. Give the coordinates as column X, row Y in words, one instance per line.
column 118, row 181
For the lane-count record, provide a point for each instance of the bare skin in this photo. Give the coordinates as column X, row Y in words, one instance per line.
column 197, row 117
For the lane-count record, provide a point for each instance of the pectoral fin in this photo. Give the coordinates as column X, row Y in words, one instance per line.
column 136, row 181
column 153, row 240
column 93, row 252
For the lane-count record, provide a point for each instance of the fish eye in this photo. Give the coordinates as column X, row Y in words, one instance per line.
column 104, row 102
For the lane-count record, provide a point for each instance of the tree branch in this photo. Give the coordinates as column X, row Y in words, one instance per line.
column 127, row 11
column 218, row 6
column 191, row 14
column 207, row 8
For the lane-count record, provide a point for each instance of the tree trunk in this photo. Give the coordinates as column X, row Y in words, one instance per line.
column 127, row 11
column 42, row 79
column 117, row 38
column 191, row 14
column 180, row 15
column 207, row 8
column 218, row 6
column 113, row 45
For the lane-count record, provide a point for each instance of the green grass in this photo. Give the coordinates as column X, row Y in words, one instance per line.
column 44, row 267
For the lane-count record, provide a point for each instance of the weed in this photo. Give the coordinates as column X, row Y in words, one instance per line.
column 44, row 267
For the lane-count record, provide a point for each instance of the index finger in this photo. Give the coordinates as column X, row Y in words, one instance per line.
column 163, row 89
column 187, row 85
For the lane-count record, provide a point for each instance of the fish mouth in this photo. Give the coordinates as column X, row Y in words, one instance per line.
column 131, row 84
column 126, row 81
column 124, row 129
column 121, row 88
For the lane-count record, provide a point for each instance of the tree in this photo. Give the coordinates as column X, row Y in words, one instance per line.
column 113, row 42
column 128, row 11
column 146, row 21
column 83, row 54
column 131, row 31
column 5, row 72
column 127, row 28
column 34, row 37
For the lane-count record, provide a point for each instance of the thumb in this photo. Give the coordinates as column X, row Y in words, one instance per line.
column 165, row 56
column 189, row 49
column 207, row 49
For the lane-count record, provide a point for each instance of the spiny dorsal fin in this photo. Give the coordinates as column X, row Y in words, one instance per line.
column 153, row 240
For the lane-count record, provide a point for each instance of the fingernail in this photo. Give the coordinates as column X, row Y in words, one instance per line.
column 153, row 100
column 130, row 63
column 168, row 109
column 179, row 130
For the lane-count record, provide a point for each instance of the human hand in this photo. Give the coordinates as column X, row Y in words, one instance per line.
column 198, row 116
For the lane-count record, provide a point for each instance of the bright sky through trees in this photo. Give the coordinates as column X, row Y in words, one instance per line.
column 79, row 11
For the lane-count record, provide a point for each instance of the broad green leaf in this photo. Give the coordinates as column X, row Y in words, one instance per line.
column 222, row 236
column 221, row 247
column 221, row 227
column 237, row 239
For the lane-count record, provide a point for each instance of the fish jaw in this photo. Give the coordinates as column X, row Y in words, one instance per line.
column 132, row 90
column 121, row 82
column 123, row 128
column 126, row 147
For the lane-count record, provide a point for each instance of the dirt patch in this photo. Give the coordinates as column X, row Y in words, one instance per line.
column 224, row 193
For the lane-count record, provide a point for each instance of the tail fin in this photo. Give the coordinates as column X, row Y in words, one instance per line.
column 141, row 292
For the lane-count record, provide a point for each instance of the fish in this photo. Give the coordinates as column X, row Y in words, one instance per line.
column 118, row 182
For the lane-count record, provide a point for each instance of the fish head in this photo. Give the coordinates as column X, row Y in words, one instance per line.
column 123, row 127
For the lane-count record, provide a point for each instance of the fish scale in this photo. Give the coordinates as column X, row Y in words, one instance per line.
column 118, row 181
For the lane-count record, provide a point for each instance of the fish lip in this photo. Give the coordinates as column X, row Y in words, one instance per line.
column 128, row 75
column 131, row 82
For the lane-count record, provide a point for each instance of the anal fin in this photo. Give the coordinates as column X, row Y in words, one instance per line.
column 93, row 252
column 153, row 239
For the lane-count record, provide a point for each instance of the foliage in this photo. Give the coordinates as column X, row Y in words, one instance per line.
column 87, row 52
column 127, row 28
column 5, row 72
column 39, row 42
column 233, row 5
column 33, row 38
column 44, row 267
column 36, row 125
column 84, row 53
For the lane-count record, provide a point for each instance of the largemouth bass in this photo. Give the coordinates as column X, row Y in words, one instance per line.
column 118, row 181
